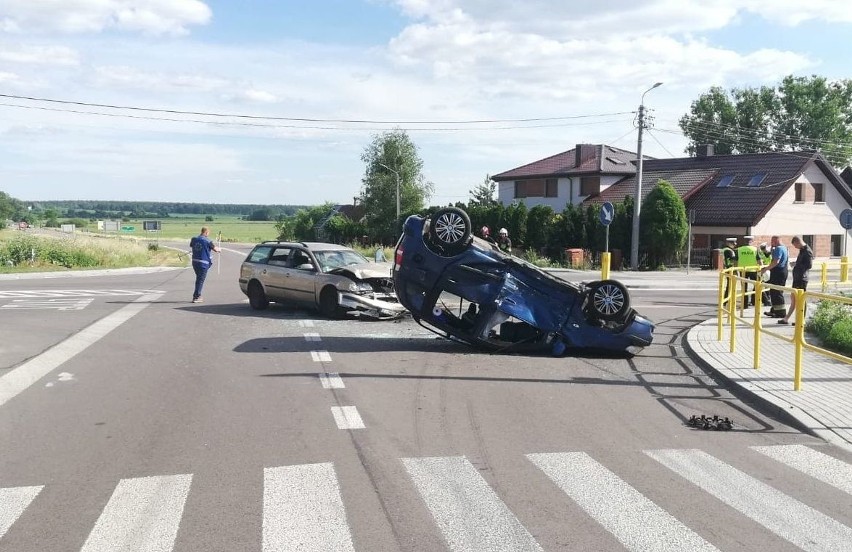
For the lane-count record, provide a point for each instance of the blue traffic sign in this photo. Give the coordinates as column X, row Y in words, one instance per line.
column 846, row 218
column 608, row 213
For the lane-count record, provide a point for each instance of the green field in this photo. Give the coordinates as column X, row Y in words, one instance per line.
column 185, row 227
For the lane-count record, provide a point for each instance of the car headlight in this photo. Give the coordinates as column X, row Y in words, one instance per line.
column 360, row 287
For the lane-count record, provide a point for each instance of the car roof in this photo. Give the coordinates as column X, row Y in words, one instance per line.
column 311, row 246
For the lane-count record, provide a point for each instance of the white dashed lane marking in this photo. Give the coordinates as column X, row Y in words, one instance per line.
column 13, row 502
column 43, row 304
column 320, row 356
column 312, row 337
column 331, row 380
column 347, row 417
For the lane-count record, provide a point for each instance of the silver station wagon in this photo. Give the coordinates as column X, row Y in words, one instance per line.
column 335, row 280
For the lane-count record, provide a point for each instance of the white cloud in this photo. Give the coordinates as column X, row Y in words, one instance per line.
column 251, row 95
column 87, row 16
column 38, row 54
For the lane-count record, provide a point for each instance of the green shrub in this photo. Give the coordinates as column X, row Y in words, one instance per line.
column 839, row 338
column 826, row 315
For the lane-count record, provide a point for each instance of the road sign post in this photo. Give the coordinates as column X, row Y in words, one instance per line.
column 606, row 215
column 846, row 223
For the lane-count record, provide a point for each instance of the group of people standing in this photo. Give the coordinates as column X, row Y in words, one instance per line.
column 775, row 260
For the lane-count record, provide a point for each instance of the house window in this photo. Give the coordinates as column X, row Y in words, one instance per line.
column 551, row 188
column 800, row 192
column 819, row 196
column 590, row 185
column 520, row 188
column 808, row 239
column 756, row 180
column 837, row 245
column 725, row 181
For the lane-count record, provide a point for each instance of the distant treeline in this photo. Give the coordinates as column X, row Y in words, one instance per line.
column 85, row 208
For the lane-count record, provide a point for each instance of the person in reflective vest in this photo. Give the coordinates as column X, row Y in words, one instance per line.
column 747, row 257
column 764, row 255
column 729, row 259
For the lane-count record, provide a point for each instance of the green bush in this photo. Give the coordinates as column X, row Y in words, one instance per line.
column 826, row 315
column 839, row 338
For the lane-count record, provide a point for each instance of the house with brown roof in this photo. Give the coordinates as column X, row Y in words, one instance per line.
column 567, row 177
column 759, row 194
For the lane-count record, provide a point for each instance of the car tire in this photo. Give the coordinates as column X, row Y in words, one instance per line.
column 328, row 304
column 608, row 300
column 257, row 297
column 450, row 231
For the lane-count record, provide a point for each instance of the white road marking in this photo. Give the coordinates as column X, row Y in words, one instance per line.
column 347, row 417
column 143, row 514
column 785, row 516
column 13, row 502
column 303, row 510
column 811, row 462
column 73, row 292
column 56, row 304
column 468, row 512
column 65, row 376
column 320, row 356
column 312, row 337
column 331, row 380
column 20, row 378
column 635, row 521
column 306, row 323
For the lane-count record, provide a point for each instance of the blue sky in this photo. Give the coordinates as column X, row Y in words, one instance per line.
column 382, row 60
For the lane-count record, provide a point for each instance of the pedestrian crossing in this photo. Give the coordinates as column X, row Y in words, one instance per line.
column 303, row 506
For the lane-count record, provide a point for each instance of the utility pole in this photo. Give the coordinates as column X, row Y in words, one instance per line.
column 637, row 199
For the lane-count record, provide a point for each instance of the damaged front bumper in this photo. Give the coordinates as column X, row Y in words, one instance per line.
column 381, row 306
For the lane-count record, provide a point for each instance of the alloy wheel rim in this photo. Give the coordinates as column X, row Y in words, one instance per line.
column 609, row 299
column 450, row 227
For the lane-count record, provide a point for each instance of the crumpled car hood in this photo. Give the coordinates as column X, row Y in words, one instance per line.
column 365, row 270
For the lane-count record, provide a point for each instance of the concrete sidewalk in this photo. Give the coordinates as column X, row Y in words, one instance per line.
column 824, row 403
column 664, row 279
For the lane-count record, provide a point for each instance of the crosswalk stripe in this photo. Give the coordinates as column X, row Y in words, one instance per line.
column 303, row 510
column 814, row 463
column 634, row 520
column 313, row 336
column 320, row 356
column 13, row 502
column 468, row 512
column 347, row 417
column 331, row 380
column 783, row 515
column 143, row 514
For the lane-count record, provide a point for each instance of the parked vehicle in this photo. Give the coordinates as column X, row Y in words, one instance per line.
column 333, row 279
column 467, row 289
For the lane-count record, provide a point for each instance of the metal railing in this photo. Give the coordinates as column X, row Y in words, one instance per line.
column 731, row 309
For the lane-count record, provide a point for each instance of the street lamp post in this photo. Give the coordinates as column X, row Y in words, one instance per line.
column 637, row 199
column 397, row 187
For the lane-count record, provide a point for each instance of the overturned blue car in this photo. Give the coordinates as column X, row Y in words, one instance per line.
column 466, row 289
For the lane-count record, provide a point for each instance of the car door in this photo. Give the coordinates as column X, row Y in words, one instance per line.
column 275, row 275
column 301, row 277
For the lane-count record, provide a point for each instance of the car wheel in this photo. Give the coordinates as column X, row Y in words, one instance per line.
column 257, row 297
column 608, row 300
column 328, row 305
column 450, row 230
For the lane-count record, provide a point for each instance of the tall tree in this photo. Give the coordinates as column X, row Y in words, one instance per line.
column 390, row 158
column 801, row 113
column 484, row 194
column 664, row 225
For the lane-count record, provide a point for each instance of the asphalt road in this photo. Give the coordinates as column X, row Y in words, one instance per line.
column 143, row 422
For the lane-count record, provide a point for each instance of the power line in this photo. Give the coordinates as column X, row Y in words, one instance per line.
column 308, row 119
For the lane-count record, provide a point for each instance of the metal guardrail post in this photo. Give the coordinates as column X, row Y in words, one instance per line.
column 824, row 277
column 721, row 304
column 799, row 338
column 605, row 259
column 732, row 322
column 758, row 326
column 844, row 269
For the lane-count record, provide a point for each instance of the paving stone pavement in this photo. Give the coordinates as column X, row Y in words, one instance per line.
column 823, row 405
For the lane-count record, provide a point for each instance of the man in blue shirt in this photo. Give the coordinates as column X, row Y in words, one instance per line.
column 201, row 247
column 777, row 276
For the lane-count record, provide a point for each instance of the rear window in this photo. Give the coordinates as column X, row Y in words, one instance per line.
column 260, row 254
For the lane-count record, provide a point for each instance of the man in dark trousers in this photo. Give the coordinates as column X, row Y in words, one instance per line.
column 747, row 257
column 777, row 276
column 804, row 262
column 201, row 247
column 729, row 260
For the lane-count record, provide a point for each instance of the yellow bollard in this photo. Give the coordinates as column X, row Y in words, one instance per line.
column 824, row 275
column 799, row 339
column 732, row 306
column 844, row 269
column 721, row 304
column 605, row 256
column 758, row 326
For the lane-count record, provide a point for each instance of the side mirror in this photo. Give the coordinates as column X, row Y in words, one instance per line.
column 306, row 266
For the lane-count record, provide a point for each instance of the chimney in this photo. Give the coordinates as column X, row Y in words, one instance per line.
column 584, row 152
column 705, row 150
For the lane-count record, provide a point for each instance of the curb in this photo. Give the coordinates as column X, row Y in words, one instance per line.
column 759, row 398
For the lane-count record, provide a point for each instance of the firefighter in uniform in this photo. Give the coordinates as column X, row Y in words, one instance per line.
column 747, row 257
column 778, row 276
column 729, row 259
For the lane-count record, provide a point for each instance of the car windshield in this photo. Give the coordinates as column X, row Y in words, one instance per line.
column 329, row 260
